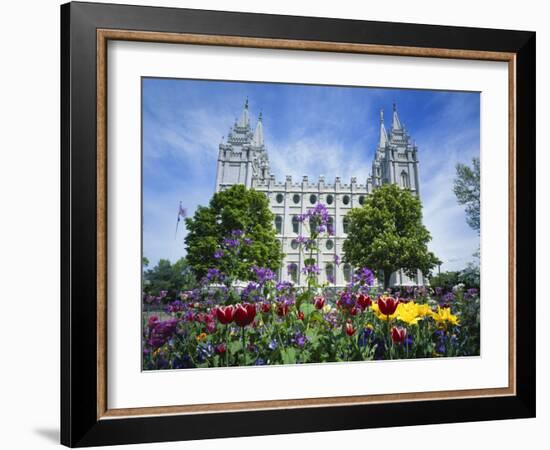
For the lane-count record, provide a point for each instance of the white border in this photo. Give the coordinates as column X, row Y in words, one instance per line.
column 128, row 387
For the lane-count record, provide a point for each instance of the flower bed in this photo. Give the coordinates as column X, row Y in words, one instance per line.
column 267, row 322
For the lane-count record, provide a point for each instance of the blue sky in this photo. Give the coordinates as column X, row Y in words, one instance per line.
column 309, row 130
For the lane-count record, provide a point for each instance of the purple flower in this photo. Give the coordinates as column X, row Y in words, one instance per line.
column 237, row 233
column 218, row 254
column 447, row 298
column 272, row 345
column 311, row 269
column 299, row 339
column 364, row 276
column 213, row 275
column 263, row 274
column 284, row 286
column 247, row 241
column 471, row 293
column 175, row 306
column 337, row 260
column 231, row 243
column 438, row 291
column 161, row 331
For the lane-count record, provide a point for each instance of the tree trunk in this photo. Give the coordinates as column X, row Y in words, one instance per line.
column 387, row 276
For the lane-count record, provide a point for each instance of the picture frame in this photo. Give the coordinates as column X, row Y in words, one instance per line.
column 86, row 418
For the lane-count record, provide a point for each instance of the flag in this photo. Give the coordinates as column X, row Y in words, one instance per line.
column 181, row 213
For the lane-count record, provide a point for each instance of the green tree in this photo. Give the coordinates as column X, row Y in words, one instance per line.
column 466, row 189
column 166, row 276
column 387, row 234
column 236, row 208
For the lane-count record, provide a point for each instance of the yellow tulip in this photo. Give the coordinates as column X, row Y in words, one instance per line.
column 444, row 315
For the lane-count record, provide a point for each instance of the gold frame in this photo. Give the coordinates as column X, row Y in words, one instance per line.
column 103, row 36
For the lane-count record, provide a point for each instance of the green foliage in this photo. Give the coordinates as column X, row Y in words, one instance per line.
column 236, row 208
column 468, row 276
column 387, row 234
column 466, row 189
column 168, row 277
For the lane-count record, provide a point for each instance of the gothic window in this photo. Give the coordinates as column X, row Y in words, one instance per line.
column 293, row 272
column 330, row 244
column 330, row 199
column 346, row 200
column 405, row 180
column 345, row 224
column 296, row 199
column 330, row 225
column 279, row 224
column 294, row 244
column 312, row 199
column 280, row 198
column 347, row 273
column 361, row 199
column 295, row 225
column 329, row 270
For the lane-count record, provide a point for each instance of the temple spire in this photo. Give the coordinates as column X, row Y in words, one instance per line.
column 258, row 139
column 244, row 121
column 383, row 134
column 396, row 123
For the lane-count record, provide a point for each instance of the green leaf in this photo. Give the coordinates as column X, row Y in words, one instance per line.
column 307, row 309
column 289, row 355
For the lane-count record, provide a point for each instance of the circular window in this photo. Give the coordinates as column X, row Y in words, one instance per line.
column 330, row 199
column 312, row 199
column 346, row 199
column 296, row 198
column 280, row 198
column 294, row 244
column 330, row 244
column 361, row 199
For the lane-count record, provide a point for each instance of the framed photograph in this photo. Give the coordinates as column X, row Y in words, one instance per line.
column 276, row 224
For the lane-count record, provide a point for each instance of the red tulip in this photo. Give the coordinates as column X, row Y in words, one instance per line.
column 244, row 314
column 266, row 307
column 319, row 302
column 353, row 311
column 300, row 315
column 364, row 301
column 398, row 335
column 221, row 348
column 387, row 305
column 350, row 331
column 225, row 314
column 282, row 309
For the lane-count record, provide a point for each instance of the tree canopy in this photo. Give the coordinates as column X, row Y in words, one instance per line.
column 236, row 208
column 466, row 188
column 166, row 276
column 387, row 234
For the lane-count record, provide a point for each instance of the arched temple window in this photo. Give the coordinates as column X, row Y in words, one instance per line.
column 405, row 180
column 293, row 272
column 279, row 224
column 295, row 225
column 345, row 224
column 329, row 269
column 347, row 273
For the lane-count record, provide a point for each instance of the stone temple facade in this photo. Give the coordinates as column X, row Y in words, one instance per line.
column 243, row 159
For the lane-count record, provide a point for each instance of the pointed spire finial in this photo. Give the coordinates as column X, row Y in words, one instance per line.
column 396, row 123
column 381, row 115
column 246, row 103
column 260, row 116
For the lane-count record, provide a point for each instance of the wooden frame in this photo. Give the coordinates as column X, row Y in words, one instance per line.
column 86, row 28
